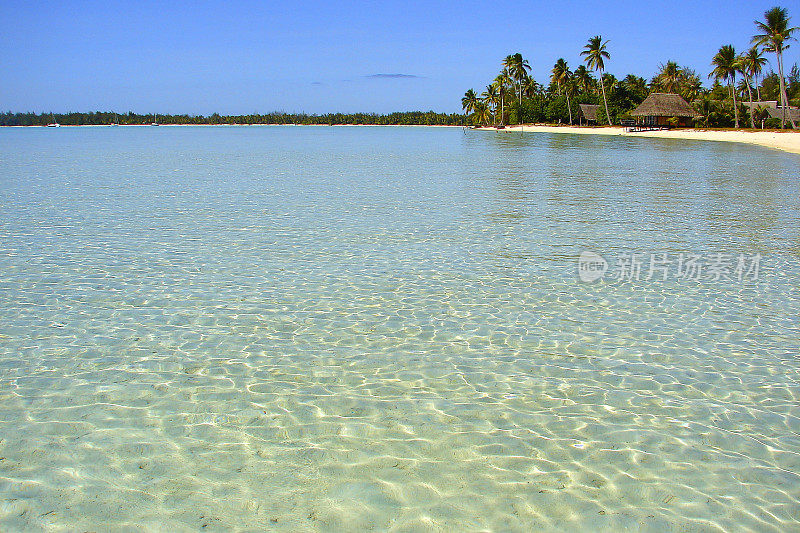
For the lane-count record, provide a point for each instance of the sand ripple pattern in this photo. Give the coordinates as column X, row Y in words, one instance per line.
column 330, row 329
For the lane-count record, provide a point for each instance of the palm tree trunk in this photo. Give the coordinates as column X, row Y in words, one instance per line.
column 784, row 97
column 750, row 94
column 605, row 102
column 735, row 108
column 569, row 108
column 758, row 87
column 502, row 117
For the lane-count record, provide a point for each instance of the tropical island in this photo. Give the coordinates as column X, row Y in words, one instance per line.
column 501, row 318
column 743, row 93
column 102, row 118
column 745, row 102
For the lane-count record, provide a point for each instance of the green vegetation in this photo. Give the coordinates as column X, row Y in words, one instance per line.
column 726, row 65
column 428, row 118
column 720, row 105
column 595, row 52
column 775, row 33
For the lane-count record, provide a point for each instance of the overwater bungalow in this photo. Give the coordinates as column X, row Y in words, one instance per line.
column 664, row 110
column 589, row 113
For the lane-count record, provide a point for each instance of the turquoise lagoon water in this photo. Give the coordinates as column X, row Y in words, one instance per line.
column 324, row 329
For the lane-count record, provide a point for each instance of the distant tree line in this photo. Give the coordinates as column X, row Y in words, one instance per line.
column 514, row 97
column 410, row 118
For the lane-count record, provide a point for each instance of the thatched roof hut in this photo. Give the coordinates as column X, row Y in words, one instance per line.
column 763, row 104
column 792, row 113
column 589, row 112
column 769, row 108
column 658, row 108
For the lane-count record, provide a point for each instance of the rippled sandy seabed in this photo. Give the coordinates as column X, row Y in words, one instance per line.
column 328, row 329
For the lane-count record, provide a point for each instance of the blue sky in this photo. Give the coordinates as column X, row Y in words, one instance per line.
column 317, row 56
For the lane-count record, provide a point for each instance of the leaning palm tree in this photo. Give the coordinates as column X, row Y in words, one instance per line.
column 725, row 67
column 492, row 99
column 468, row 101
column 595, row 52
column 741, row 66
column 754, row 62
column 775, row 32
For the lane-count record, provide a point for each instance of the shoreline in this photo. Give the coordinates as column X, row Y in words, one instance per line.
column 253, row 124
column 786, row 141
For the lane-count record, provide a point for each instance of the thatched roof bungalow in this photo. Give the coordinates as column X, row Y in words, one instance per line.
column 663, row 109
column 792, row 113
column 589, row 112
column 770, row 109
column 763, row 104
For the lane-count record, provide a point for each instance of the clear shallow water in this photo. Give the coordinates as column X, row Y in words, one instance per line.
column 301, row 329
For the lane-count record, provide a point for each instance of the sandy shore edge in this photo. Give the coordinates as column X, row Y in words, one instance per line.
column 787, row 141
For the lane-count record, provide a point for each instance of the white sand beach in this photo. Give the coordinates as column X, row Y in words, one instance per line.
column 788, row 141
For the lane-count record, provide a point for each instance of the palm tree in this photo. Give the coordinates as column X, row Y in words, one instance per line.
column 518, row 68
column 569, row 90
column 530, row 87
column 482, row 112
column 522, row 68
column 692, row 86
column 635, row 85
column 669, row 78
column 741, row 66
column 754, row 62
column 562, row 76
column 583, row 78
column 559, row 73
column 775, row 32
column 595, row 52
column 705, row 106
column 725, row 67
column 501, row 82
column 469, row 101
column 492, row 99
column 509, row 68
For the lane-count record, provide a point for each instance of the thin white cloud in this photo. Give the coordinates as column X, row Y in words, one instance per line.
column 393, row 76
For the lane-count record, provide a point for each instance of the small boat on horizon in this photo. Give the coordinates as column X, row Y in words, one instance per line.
column 155, row 120
column 55, row 123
